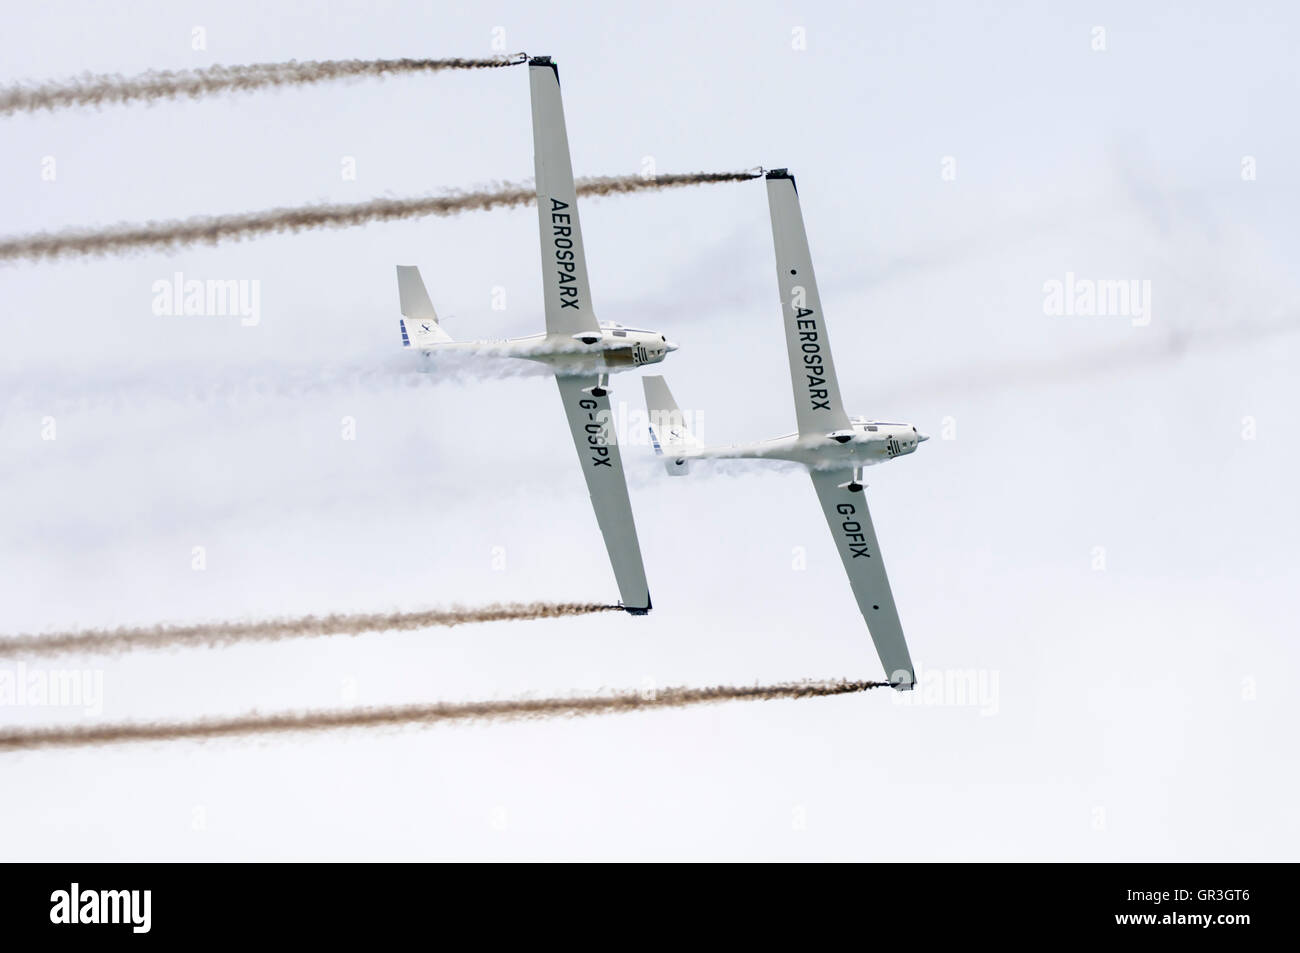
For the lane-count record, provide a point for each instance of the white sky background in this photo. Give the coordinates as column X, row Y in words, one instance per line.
column 1142, row 712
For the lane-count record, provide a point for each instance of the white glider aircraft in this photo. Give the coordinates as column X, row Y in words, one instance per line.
column 834, row 446
column 581, row 351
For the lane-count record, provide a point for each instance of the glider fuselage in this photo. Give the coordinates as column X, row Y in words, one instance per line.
column 614, row 348
column 868, row 442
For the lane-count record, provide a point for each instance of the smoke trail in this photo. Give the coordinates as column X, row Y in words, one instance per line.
column 131, row 390
column 214, row 634
column 102, row 89
column 211, row 229
column 507, row 710
column 1153, row 350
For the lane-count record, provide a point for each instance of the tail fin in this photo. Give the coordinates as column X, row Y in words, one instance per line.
column 668, row 430
column 420, row 327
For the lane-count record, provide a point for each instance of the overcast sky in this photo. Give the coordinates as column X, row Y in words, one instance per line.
column 1103, row 529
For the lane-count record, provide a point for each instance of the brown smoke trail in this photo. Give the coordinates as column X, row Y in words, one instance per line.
column 100, row 90
column 211, row 229
column 215, row 634
column 506, row 710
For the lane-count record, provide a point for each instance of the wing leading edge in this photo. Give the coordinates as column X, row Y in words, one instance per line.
column 567, row 296
column 566, row 291
column 855, row 538
column 602, row 466
column 817, row 404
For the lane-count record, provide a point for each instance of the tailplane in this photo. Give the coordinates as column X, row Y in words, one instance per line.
column 419, row 324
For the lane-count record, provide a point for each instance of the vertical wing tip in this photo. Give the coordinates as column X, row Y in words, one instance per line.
column 545, row 62
column 781, row 174
column 639, row 610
